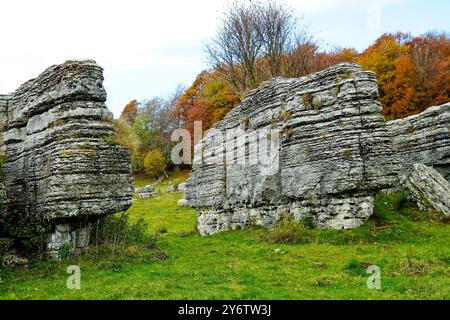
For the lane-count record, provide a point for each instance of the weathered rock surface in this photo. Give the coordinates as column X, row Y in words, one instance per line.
column 334, row 153
column 62, row 166
column 3, row 119
column 424, row 138
column 145, row 195
column 146, row 192
column 13, row 260
column 428, row 189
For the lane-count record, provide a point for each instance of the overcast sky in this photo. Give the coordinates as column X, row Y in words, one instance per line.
column 148, row 47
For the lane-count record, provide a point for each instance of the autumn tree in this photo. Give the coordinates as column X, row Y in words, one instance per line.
column 208, row 100
column 237, row 44
column 277, row 27
column 389, row 59
column 155, row 163
column 129, row 112
column 252, row 41
column 430, row 55
column 154, row 125
column 413, row 72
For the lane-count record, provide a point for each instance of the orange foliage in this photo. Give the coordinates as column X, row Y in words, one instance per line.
column 129, row 113
column 413, row 74
column 208, row 100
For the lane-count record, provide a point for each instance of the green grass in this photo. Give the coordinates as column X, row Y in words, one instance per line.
column 411, row 248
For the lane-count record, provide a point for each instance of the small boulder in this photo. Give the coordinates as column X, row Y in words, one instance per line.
column 12, row 260
column 182, row 187
column 146, row 195
column 170, row 188
column 140, row 190
column 182, row 202
column 428, row 189
column 149, row 188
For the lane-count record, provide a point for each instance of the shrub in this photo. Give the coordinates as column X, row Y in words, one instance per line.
column 155, row 163
column 117, row 231
column 289, row 231
column 29, row 232
column 117, row 243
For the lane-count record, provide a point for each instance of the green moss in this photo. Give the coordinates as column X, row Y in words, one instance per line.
column 67, row 153
column 347, row 154
column 346, row 74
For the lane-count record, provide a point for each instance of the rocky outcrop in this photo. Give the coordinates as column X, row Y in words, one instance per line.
column 62, row 166
column 146, row 192
column 428, row 189
column 424, row 138
column 3, row 119
column 330, row 152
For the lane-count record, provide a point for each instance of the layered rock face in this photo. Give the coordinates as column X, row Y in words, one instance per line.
column 424, row 138
column 3, row 120
column 329, row 152
column 61, row 164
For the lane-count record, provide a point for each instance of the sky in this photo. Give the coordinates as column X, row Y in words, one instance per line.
column 147, row 48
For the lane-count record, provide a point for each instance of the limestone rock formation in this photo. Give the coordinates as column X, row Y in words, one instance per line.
column 329, row 152
column 424, row 138
column 146, row 192
column 428, row 189
column 62, row 166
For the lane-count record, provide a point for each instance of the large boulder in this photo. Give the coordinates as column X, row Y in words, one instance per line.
column 428, row 189
column 63, row 169
column 330, row 152
column 424, row 138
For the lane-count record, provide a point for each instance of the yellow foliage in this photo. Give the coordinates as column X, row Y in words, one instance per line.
column 155, row 163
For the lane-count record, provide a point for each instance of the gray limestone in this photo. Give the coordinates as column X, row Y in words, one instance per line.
column 428, row 189
column 424, row 138
column 334, row 152
column 61, row 166
column 181, row 187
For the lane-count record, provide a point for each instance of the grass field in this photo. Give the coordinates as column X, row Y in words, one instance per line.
column 290, row 262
